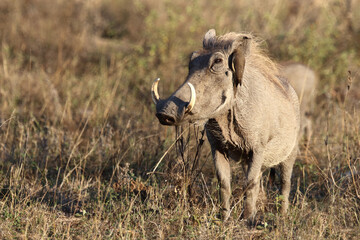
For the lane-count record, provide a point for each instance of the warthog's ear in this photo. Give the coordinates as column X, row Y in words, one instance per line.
column 208, row 38
column 237, row 59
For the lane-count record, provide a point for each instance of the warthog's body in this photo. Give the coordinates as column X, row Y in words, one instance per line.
column 304, row 81
column 252, row 115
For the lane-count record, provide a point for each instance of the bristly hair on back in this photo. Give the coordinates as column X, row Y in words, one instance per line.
column 257, row 57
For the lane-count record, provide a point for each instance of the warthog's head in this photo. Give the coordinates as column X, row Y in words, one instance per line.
column 215, row 72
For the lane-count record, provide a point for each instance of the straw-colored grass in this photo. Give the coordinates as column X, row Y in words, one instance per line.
column 79, row 141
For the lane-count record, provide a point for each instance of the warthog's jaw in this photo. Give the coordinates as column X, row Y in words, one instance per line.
column 173, row 110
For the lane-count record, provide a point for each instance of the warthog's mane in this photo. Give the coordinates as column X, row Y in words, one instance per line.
column 257, row 57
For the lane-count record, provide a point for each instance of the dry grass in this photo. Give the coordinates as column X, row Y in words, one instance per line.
column 78, row 135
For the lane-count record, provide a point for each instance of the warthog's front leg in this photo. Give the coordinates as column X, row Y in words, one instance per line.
column 252, row 187
column 223, row 173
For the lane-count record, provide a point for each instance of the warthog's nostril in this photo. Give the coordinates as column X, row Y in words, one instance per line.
column 165, row 119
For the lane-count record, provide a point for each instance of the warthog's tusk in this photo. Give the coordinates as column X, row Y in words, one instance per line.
column 154, row 91
column 192, row 99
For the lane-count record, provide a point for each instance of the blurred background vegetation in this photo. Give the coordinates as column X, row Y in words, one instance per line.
column 78, row 135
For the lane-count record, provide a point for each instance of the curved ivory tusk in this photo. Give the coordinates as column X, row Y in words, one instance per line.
column 154, row 91
column 191, row 104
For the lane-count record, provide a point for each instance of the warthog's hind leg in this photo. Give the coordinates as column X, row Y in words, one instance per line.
column 252, row 187
column 286, row 168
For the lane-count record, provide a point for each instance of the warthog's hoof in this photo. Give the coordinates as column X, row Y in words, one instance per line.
column 224, row 215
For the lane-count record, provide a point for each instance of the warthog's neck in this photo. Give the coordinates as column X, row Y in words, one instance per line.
column 226, row 134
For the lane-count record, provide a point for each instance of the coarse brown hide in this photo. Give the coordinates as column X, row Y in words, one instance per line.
column 250, row 114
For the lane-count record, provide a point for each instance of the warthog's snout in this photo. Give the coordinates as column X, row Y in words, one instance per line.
column 173, row 110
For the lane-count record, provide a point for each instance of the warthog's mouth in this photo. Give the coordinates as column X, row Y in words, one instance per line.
column 165, row 119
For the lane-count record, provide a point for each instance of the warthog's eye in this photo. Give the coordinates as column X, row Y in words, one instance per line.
column 218, row 60
column 217, row 65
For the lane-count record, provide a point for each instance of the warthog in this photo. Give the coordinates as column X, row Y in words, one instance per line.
column 304, row 80
column 251, row 114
